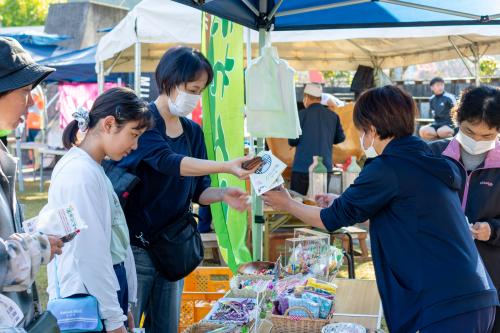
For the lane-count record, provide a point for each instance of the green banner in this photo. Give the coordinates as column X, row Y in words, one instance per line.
column 223, row 102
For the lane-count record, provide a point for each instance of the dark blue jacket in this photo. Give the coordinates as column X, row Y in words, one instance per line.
column 321, row 129
column 163, row 195
column 427, row 266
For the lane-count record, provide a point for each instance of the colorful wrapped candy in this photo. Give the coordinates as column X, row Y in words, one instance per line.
column 295, row 303
column 325, row 304
column 238, row 311
column 329, row 287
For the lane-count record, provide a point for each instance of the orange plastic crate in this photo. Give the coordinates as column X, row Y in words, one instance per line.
column 208, row 279
column 202, row 289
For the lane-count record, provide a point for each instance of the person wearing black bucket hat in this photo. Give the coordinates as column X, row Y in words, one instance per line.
column 21, row 254
column 19, row 74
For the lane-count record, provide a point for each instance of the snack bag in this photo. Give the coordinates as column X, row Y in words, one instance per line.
column 64, row 222
column 329, row 287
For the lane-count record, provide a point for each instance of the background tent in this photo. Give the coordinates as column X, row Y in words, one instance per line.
column 77, row 66
column 39, row 44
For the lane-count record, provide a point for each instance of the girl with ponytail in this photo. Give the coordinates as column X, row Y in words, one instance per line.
column 94, row 261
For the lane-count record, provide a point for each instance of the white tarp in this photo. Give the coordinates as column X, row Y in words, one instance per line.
column 159, row 24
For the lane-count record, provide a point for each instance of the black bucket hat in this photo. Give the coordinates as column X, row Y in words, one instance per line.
column 17, row 68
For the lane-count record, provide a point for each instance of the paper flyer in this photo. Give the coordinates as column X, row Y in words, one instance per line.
column 268, row 176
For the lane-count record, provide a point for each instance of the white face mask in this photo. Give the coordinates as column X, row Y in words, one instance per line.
column 474, row 147
column 184, row 103
column 370, row 152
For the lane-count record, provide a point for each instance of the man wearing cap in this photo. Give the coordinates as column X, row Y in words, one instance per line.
column 321, row 129
column 21, row 254
column 441, row 104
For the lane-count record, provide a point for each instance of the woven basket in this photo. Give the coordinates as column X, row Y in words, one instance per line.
column 287, row 324
column 201, row 328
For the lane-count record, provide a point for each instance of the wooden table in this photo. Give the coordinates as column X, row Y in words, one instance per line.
column 274, row 220
column 358, row 301
column 48, row 151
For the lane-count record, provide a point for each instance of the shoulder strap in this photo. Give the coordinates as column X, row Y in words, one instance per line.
column 58, row 289
column 186, row 129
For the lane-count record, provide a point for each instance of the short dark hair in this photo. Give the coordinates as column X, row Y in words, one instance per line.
column 119, row 102
column 180, row 65
column 479, row 104
column 389, row 109
column 436, row 80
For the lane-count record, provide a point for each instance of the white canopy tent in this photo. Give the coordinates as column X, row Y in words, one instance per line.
column 140, row 39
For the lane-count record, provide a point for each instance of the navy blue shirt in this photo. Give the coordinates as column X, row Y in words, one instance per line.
column 163, row 195
column 321, row 129
column 427, row 266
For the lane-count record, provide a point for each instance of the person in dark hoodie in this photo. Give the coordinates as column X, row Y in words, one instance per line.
column 476, row 151
column 429, row 273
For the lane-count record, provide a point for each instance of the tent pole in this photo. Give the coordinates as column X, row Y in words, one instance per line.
column 432, row 9
column 258, row 218
column 100, row 78
column 478, row 72
column 394, row 2
column 460, row 55
column 258, row 207
column 137, row 69
column 20, row 176
column 477, row 68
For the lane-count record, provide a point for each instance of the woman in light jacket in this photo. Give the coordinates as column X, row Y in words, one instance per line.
column 476, row 152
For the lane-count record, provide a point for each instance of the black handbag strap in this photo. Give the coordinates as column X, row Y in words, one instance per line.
column 186, row 129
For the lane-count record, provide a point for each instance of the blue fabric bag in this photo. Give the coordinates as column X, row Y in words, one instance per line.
column 75, row 314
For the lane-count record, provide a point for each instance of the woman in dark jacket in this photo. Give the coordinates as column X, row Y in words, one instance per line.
column 165, row 194
column 429, row 273
column 476, row 152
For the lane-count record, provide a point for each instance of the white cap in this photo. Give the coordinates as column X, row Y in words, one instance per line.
column 313, row 89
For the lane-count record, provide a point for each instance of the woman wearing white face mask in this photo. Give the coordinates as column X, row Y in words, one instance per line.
column 429, row 273
column 164, row 195
column 476, row 150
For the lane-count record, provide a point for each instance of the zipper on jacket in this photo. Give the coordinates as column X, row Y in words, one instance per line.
column 467, row 182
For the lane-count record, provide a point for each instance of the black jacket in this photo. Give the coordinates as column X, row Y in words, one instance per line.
column 441, row 105
column 321, row 129
column 480, row 197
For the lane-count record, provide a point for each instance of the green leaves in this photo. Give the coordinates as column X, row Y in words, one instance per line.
column 15, row 13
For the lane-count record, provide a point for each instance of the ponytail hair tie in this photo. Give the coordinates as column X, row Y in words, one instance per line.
column 82, row 116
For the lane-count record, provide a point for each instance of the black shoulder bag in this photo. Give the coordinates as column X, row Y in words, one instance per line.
column 177, row 249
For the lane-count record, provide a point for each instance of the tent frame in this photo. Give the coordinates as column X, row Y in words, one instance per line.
column 265, row 19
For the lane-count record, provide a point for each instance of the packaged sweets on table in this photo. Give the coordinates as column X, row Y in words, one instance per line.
column 325, row 304
column 308, row 253
column 288, row 284
column 239, row 311
column 336, row 260
column 296, row 306
column 326, row 286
